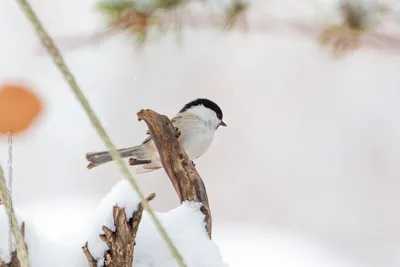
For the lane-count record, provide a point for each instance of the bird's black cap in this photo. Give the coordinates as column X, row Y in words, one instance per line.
column 205, row 102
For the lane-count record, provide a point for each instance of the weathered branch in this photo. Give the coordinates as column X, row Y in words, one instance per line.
column 89, row 257
column 14, row 257
column 179, row 168
column 121, row 242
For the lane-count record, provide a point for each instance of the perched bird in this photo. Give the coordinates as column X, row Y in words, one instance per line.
column 197, row 122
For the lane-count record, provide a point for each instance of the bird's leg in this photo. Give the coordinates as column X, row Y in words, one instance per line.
column 134, row 162
column 177, row 132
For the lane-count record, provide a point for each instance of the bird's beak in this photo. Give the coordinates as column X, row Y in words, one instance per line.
column 223, row 124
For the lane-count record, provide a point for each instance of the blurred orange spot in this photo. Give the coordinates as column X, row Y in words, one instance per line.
column 19, row 106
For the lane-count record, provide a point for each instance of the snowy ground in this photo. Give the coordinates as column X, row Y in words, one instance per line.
column 312, row 145
column 239, row 244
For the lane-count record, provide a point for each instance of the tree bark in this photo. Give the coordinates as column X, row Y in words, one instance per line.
column 180, row 169
column 121, row 242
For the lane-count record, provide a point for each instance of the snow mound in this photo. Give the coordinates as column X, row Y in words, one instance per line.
column 184, row 224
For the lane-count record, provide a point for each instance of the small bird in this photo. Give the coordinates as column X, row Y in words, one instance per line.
column 197, row 122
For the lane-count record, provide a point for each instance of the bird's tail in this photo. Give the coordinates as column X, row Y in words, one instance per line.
column 103, row 157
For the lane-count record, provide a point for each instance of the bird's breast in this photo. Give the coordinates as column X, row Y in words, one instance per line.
column 197, row 142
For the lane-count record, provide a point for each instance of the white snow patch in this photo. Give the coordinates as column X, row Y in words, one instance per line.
column 184, row 224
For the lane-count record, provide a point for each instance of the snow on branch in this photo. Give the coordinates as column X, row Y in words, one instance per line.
column 180, row 169
column 185, row 225
column 121, row 242
column 120, row 231
column 114, row 237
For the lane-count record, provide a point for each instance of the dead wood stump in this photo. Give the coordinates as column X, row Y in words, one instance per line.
column 121, row 242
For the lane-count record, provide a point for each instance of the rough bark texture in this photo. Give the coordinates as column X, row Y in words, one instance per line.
column 14, row 258
column 179, row 168
column 121, row 242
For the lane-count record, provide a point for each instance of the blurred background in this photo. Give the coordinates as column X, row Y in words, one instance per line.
column 306, row 171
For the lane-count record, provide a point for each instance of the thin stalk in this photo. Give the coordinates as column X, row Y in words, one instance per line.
column 22, row 252
column 58, row 60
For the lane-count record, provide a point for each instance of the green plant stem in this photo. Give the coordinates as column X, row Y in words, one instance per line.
column 68, row 76
column 22, row 252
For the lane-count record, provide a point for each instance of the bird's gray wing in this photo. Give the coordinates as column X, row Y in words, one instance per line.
column 187, row 121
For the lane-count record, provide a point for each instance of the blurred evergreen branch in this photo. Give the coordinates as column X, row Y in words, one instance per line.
column 114, row 10
column 134, row 17
column 358, row 21
column 168, row 4
column 126, row 16
column 234, row 12
column 58, row 60
column 138, row 17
